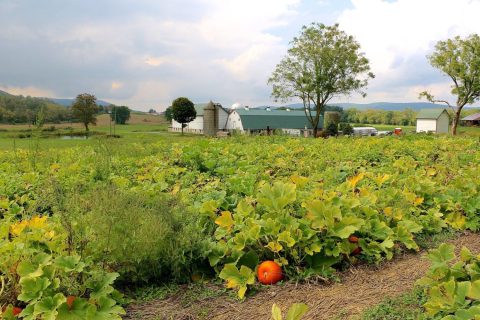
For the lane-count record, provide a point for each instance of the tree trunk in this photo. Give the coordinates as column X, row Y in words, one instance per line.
column 455, row 121
column 86, row 126
column 315, row 130
column 182, row 128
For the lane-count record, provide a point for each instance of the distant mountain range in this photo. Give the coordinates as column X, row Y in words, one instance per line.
column 61, row 101
column 389, row 106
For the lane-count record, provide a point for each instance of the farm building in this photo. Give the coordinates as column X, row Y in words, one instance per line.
column 433, row 120
column 217, row 118
column 258, row 120
column 212, row 117
column 472, row 120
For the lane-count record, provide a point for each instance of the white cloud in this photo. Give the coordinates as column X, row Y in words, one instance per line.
column 397, row 36
column 116, row 85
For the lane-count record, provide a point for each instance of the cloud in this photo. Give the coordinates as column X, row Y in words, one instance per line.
column 398, row 35
column 144, row 51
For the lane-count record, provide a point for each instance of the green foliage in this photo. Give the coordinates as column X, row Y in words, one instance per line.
column 332, row 129
column 169, row 114
column 19, row 109
column 346, row 128
column 85, row 109
column 296, row 312
column 169, row 210
column 144, row 237
column 237, row 279
column 452, row 284
column 323, row 62
column 41, row 273
column 405, row 307
column 459, row 59
column 406, row 117
column 120, row 114
column 183, row 111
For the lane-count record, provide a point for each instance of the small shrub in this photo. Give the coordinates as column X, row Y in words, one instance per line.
column 346, row 128
column 142, row 237
column 332, row 129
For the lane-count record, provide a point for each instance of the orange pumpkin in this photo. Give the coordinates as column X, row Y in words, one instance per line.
column 353, row 239
column 269, row 272
column 17, row 311
column 70, row 300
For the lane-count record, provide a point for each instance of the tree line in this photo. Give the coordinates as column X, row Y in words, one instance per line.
column 26, row 110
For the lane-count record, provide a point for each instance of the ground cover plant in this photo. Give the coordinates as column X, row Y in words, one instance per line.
column 180, row 210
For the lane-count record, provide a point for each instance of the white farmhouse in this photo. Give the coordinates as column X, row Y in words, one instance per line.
column 219, row 116
column 433, row 120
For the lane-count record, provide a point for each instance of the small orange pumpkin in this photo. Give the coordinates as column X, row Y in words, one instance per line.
column 16, row 311
column 353, row 239
column 70, row 300
column 269, row 272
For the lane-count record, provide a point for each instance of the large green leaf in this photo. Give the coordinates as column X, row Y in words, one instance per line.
column 237, row 279
column 296, row 311
column 278, row 196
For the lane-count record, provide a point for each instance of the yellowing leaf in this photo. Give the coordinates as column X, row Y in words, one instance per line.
column 37, row 222
column 17, row 229
column 238, row 279
column 353, row 181
column 456, row 220
column 418, row 201
column 382, row 179
column 175, row 189
column 388, row 211
column 281, row 261
column 431, row 172
column 299, row 180
column 49, row 235
column 274, row 246
column 225, row 220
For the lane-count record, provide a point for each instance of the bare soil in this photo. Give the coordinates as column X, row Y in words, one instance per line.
column 360, row 288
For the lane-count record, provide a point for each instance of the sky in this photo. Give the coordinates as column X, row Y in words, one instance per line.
column 145, row 53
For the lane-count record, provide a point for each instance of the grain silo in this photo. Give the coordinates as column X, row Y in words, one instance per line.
column 210, row 120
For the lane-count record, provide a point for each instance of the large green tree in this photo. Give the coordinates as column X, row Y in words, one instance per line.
column 85, row 109
column 322, row 63
column 459, row 59
column 120, row 114
column 183, row 111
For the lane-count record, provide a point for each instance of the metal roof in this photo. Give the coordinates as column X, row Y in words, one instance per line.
column 430, row 113
column 472, row 117
column 275, row 119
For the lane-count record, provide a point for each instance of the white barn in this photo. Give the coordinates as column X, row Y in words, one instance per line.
column 197, row 125
column 212, row 118
column 433, row 120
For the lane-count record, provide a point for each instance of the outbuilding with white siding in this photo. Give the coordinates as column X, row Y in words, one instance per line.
column 433, row 120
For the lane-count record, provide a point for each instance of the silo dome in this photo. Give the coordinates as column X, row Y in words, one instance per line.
column 236, row 105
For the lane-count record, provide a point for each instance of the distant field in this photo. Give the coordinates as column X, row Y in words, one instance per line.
column 102, row 121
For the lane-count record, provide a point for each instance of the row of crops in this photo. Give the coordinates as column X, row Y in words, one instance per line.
column 77, row 222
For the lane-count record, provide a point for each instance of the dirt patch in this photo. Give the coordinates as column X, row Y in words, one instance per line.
column 360, row 288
